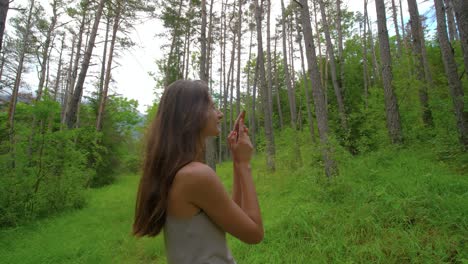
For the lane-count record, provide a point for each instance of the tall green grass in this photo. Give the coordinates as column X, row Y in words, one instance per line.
column 390, row 206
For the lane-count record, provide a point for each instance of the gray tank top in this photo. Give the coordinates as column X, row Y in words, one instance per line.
column 196, row 241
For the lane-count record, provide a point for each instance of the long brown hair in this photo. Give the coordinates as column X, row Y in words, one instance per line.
column 174, row 140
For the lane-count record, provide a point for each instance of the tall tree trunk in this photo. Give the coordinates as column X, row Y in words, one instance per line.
column 317, row 92
column 278, row 102
column 45, row 51
column 209, row 55
column 270, row 143
column 340, row 44
column 103, row 102
column 418, row 54
column 397, row 31
column 76, row 62
column 287, row 77
column 4, row 5
column 19, row 72
column 310, row 119
column 403, row 30
column 455, row 85
column 364, row 57
column 67, row 92
column 248, row 102
column 72, row 116
column 168, row 65
column 104, row 56
column 222, row 83
column 319, row 45
column 453, row 35
column 375, row 63
column 59, row 69
column 331, row 57
column 391, row 104
column 239, row 43
column 461, row 12
column 270, row 77
column 210, row 153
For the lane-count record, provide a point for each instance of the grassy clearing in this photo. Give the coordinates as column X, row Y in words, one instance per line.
column 391, row 206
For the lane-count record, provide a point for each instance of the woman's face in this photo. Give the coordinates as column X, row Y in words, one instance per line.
column 212, row 127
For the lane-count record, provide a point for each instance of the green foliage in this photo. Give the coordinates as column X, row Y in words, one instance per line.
column 47, row 168
column 388, row 206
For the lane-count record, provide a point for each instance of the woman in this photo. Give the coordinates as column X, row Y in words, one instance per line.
column 184, row 196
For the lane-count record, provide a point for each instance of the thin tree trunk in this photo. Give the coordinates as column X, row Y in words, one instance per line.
column 319, row 45
column 270, row 77
column 45, row 51
column 403, row 26
column 340, row 45
column 391, row 104
column 455, row 85
column 19, row 72
column 239, row 43
column 306, row 89
column 418, row 55
column 278, row 102
column 453, row 35
column 317, row 92
column 76, row 62
column 210, row 153
column 72, row 116
column 4, row 5
column 364, row 58
column 270, row 144
column 209, row 55
column 397, row 31
column 59, row 70
column 69, row 85
column 104, row 56
column 103, row 102
column 331, row 56
column 287, row 78
column 375, row 63
column 461, row 12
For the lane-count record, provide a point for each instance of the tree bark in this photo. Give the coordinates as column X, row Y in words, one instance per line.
column 397, row 31
column 340, row 44
column 364, row 57
column 287, row 77
column 310, row 119
column 278, row 102
column 45, row 51
column 418, row 55
column 210, row 152
column 317, row 92
column 239, row 43
column 19, row 72
column 455, row 85
column 4, row 5
column 72, row 116
column 76, row 62
column 115, row 29
column 453, row 35
column 331, row 57
column 104, row 56
column 391, row 104
column 270, row 144
column 461, row 12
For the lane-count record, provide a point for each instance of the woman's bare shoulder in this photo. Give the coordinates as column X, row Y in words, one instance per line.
column 195, row 174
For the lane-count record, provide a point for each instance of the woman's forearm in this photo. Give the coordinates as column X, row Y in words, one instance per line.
column 236, row 187
column 249, row 198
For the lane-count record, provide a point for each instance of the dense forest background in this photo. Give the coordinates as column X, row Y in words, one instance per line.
column 357, row 107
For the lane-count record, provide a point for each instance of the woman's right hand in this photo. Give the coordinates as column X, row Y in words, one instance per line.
column 240, row 145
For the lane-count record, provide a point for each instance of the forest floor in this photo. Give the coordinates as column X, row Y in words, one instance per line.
column 390, row 206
